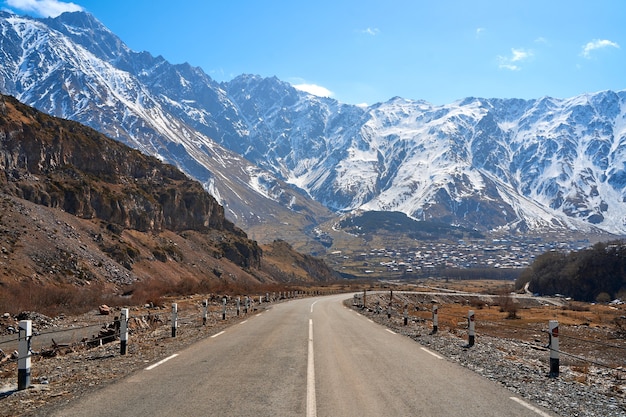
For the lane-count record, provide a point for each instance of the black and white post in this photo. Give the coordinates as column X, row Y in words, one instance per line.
column 435, row 318
column 123, row 331
column 238, row 305
column 205, row 311
column 406, row 314
column 471, row 331
column 553, row 326
column 224, row 308
column 23, row 362
column 174, row 318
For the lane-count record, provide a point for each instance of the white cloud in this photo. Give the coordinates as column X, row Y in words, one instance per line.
column 520, row 55
column 479, row 32
column 597, row 44
column 45, row 8
column 371, row 31
column 517, row 56
column 316, row 90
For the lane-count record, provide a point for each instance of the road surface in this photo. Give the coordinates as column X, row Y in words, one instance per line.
column 309, row 357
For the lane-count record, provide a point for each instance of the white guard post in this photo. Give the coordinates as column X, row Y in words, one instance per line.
column 553, row 326
column 123, row 331
column 174, row 318
column 471, row 328
column 435, row 318
column 23, row 362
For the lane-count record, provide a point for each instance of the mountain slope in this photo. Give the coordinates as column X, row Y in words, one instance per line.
column 266, row 150
column 78, row 208
column 72, row 67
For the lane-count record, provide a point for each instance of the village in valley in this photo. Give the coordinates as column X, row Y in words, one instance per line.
column 431, row 258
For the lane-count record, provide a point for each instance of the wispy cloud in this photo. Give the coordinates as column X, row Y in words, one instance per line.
column 45, row 8
column 371, row 31
column 597, row 44
column 479, row 32
column 512, row 62
column 316, row 90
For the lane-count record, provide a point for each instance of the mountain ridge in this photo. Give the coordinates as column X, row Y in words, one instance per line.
column 84, row 213
column 490, row 164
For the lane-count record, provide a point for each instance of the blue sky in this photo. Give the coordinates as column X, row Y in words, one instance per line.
column 368, row 51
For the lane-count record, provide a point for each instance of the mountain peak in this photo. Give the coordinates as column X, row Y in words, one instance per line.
column 258, row 142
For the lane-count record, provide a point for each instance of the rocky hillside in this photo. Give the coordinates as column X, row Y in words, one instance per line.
column 80, row 209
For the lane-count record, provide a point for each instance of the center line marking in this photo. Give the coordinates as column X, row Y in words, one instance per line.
column 311, row 402
column 161, row 362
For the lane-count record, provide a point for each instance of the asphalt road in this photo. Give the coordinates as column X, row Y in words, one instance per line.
column 309, row 357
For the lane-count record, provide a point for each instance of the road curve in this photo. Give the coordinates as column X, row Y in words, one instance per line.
column 310, row 357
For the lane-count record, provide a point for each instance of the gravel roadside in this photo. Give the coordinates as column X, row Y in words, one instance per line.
column 588, row 392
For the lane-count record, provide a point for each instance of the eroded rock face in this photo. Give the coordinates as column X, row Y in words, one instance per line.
column 65, row 165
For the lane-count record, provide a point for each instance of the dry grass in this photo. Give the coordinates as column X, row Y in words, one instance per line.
column 55, row 299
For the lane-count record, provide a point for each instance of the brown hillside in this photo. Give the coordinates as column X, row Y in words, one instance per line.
column 78, row 210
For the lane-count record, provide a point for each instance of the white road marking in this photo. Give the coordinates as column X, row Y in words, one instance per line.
column 391, row 331
column 530, row 407
column 432, row 353
column 217, row 334
column 258, row 314
column 245, row 321
column 313, row 305
column 161, row 362
column 311, row 402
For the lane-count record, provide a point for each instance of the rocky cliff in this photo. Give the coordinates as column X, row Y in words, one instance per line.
column 65, row 165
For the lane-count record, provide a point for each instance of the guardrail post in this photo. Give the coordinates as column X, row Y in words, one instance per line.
column 174, row 318
column 224, row 308
column 471, row 332
column 238, row 305
column 364, row 298
column 435, row 319
column 205, row 311
column 553, row 326
column 406, row 314
column 23, row 362
column 246, row 302
column 123, row 331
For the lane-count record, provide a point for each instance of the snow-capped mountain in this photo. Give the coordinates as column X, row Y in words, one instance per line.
column 267, row 150
column 73, row 67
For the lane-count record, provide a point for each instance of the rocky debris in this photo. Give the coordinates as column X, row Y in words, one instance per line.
column 104, row 310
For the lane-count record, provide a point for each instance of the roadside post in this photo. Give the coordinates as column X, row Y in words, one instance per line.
column 364, row 298
column 435, row 318
column 23, row 363
column 224, row 308
column 238, row 305
column 205, row 311
column 471, row 332
column 123, row 331
column 406, row 314
column 553, row 334
column 174, row 318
